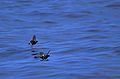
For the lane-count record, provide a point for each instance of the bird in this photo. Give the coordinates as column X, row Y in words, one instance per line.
column 43, row 56
column 33, row 41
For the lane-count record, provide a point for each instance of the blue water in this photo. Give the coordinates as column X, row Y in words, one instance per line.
column 84, row 36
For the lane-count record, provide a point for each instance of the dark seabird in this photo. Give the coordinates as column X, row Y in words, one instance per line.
column 43, row 56
column 33, row 41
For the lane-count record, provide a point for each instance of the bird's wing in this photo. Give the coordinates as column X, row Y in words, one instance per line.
column 34, row 38
column 48, row 52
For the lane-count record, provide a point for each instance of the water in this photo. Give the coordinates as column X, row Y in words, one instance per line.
column 84, row 36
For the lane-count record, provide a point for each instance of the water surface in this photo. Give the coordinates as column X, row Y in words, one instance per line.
column 84, row 37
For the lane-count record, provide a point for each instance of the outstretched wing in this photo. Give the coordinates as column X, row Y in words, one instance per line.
column 48, row 52
column 34, row 38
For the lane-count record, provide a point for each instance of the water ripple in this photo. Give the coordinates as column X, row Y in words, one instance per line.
column 113, row 5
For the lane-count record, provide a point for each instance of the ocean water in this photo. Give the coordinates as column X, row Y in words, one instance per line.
column 83, row 35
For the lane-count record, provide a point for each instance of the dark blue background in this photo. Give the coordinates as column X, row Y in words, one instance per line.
column 84, row 36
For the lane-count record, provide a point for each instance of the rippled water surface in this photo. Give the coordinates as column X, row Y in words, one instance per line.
column 84, row 36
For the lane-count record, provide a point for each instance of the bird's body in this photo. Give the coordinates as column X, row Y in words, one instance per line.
column 43, row 56
column 32, row 42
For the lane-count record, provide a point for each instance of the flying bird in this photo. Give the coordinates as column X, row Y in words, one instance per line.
column 43, row 56
column 33, row 41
